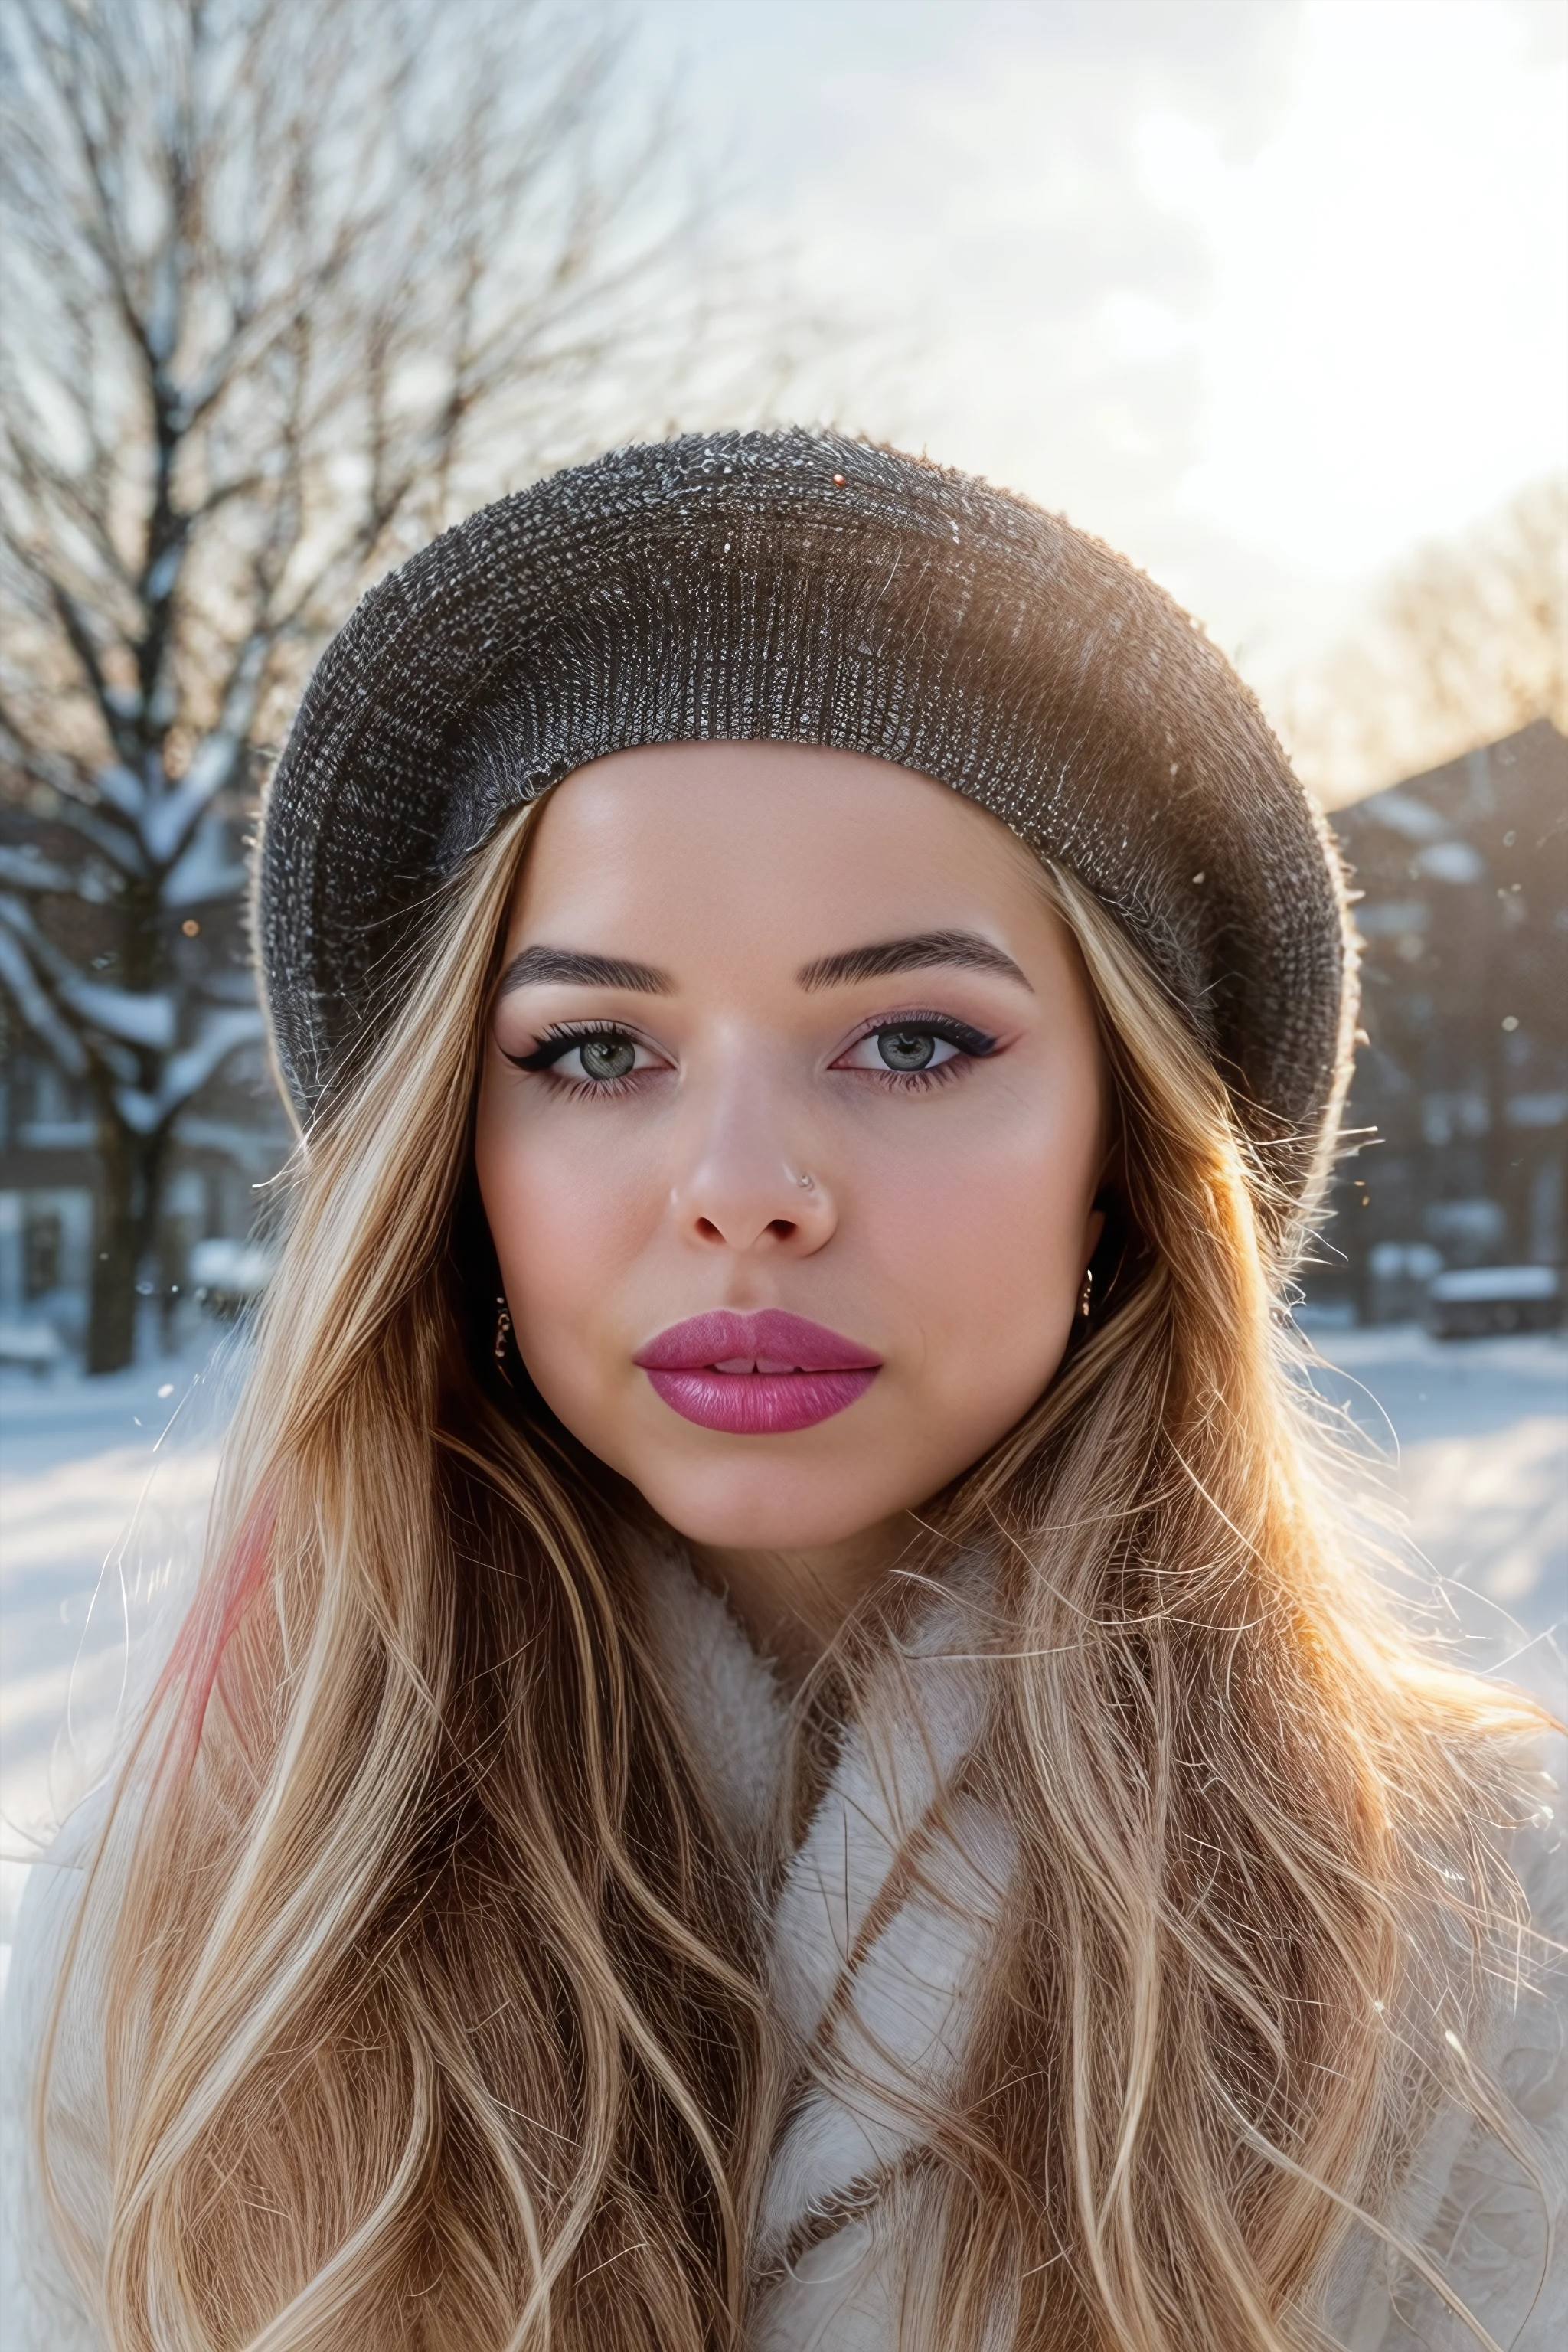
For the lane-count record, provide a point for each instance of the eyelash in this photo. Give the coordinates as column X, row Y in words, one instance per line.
column 972, row 1045
column 554, row 1042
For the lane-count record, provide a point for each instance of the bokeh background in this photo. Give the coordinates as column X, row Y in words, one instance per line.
column 1272, row 294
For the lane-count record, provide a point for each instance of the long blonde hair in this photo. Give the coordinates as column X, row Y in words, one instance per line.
column 433, row 2010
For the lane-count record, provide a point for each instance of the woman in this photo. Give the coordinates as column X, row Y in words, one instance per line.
column 782, row 1743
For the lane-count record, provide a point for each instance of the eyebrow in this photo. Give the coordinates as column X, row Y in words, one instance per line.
column 564, row 964
column 913, row 954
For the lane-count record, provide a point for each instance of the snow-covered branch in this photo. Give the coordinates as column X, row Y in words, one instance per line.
column 217, row 761
column 28, row 869
column 129, row 1016
column 115, row 842
column 53, row 980
column 206, row 875
column 184, row 1074
column 32, row 1002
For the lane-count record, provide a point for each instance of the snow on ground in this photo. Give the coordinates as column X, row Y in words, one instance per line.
column 1472, row 1437
column 104, row 1492
column 103, row 1485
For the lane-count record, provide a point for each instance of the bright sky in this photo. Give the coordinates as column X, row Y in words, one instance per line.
column 1264, row 291
column 1383, row 349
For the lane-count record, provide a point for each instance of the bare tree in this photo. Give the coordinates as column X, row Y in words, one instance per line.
column 1469, row 644
column 289, row 284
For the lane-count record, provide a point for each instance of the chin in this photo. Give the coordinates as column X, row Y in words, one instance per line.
column 754, row 1507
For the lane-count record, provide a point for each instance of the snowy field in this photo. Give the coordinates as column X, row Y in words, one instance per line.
column 103, row 1485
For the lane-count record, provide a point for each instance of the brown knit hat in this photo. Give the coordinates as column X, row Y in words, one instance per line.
column 805, row 588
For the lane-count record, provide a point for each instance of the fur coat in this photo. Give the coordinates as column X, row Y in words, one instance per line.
column 839, row 2236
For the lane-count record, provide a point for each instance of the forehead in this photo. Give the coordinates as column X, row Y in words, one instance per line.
column 713, row 837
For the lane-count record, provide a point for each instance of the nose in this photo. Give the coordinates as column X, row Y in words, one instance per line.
column 746, row 1182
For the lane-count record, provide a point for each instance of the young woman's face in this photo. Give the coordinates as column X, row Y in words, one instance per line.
column 790, row 1123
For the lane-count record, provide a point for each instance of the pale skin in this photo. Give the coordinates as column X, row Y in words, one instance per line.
column 646, row 1165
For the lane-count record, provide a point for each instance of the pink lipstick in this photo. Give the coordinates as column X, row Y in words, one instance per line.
column 756, row 1375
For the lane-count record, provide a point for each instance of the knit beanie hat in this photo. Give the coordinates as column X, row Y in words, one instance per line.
column 801, row 588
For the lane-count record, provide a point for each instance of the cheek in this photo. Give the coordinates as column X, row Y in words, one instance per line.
column 982, row 1236
column 566, row 1216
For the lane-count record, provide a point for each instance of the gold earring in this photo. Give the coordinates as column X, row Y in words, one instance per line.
column 503, row 1333
column 1086, row 1295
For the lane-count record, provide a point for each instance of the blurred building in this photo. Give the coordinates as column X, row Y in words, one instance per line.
column 231, row 1139
column 1458, row 1106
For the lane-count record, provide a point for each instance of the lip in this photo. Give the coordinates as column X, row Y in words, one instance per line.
column 756, row 1375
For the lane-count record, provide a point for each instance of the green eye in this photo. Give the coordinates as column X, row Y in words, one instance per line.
column 906, row 1049
column 608, row 1057
column 919, row 1046
column 601, row 1058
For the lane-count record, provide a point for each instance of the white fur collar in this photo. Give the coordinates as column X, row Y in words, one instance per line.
column 731, row 1700
column 873, row 1986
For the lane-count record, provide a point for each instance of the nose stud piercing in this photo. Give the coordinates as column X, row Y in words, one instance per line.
column 1086, row 1295
column 806, row 1183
